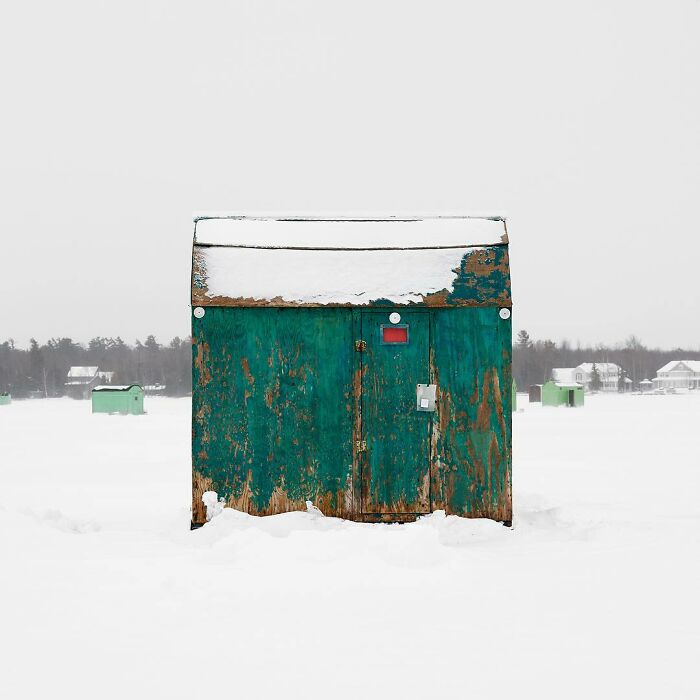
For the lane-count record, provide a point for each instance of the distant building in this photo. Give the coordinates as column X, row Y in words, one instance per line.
column 80, row 382
column 678, row 374
column 154, row 389
column 562, row 394
column 608, row 372
column 118, row 399
column 107, row 377
column 5, row 399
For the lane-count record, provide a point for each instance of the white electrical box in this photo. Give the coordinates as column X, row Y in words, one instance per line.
column 425, row 397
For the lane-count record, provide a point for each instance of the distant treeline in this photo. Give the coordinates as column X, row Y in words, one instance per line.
column 43, row 368
column 533, row 360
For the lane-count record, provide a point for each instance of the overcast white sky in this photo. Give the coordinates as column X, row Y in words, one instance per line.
column 581, row 121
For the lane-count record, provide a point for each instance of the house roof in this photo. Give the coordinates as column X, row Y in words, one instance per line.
column 692, row 365
column 81, row 372
column 563, row 374
column 604, row 367
column 350, row 261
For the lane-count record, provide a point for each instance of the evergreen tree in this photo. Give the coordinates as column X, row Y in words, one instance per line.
column 596, row 382
column 523, row 339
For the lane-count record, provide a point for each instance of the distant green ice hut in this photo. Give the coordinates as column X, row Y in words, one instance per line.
column 360, row 363
column 562, row 394
column 118, row 399
column 5, row 399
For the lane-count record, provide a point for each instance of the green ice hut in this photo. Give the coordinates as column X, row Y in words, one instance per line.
column 361, row 364
column 118, row 399
column 562, row 394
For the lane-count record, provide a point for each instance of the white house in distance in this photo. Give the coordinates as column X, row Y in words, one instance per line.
column 80, row 382
column 678, row 374
column 608, row 372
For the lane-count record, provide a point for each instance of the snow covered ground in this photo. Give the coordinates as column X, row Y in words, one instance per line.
column 593, row 593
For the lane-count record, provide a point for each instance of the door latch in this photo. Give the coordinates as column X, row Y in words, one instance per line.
column 361, row 445
column 360, row 345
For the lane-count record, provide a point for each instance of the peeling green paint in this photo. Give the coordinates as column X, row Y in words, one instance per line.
column 275, row 411
column 272, row 409
column 396, row 466
column 472, row 357
column 483, row 278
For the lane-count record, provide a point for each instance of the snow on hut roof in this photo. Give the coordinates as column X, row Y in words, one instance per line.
column 80, row 372
column 361, row 232
column 115, row 387
column 328, row 277
column 349, row 261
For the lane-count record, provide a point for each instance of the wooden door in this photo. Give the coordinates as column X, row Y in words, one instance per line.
column 395, row 459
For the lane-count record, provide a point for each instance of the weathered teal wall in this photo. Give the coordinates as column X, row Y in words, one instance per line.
column 273, row 408
column 472, row 363
column 282, row 403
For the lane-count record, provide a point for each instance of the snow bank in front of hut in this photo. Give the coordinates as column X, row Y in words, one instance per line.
column 437, row 528
column 330, row 276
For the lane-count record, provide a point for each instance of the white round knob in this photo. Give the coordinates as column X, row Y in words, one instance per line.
column 504, row 313
column 394, row 318
column 199, row 312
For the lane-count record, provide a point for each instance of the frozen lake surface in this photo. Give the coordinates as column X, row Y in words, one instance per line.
column 593, row 593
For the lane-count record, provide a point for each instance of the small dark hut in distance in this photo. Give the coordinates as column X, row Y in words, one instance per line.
column 535, row 393
column 363, row 364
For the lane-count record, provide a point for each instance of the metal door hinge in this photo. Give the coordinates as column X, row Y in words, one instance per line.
column 360, row 345
column 361, row 445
